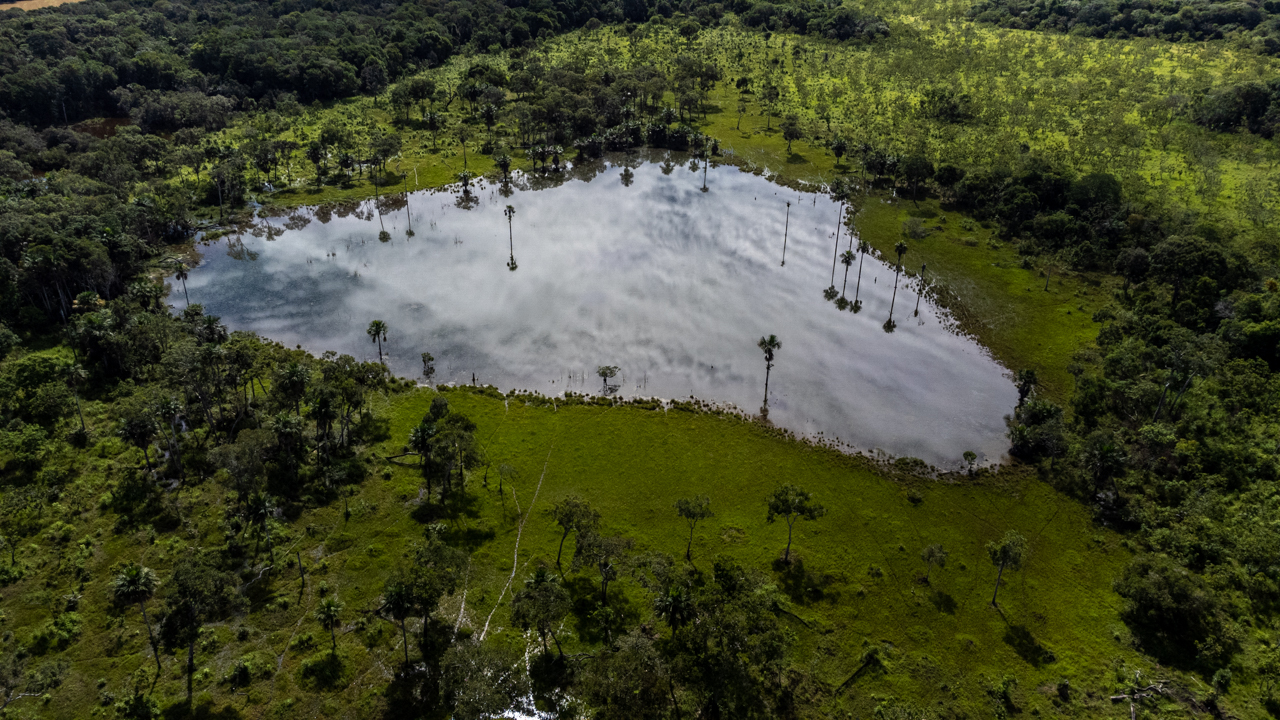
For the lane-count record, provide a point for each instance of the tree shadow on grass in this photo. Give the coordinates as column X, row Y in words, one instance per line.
column 589, row 622
column 202, row 711
column 1027, row 646
column 796, row 159
column 943, row 602
column 802, row 586
column 325, row 671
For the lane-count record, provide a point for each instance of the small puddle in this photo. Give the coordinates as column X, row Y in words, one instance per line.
column 634, row 266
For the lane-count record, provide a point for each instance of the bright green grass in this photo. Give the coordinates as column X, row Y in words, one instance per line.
column 855, row 582
column 989, row 292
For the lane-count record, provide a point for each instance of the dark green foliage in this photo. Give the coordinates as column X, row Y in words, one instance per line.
column 1175, row 615
column 1165, row 19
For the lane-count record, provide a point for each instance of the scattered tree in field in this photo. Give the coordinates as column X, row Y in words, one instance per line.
column 604, row 553
column 693, row 510
column 198, row 592
column 839, row 148
column 933, row 555
column 573, row 515
column 768, row 345
column 792, row 503
column 377, row 332
column 791, row 130
column 540, row 605
column 135, row 583
column 1010, row 552
column 329, row 615
column 399, row 603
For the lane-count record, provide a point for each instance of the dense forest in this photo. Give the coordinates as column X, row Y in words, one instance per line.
column 224, row 441
column 194, row 63
column 1256, row 24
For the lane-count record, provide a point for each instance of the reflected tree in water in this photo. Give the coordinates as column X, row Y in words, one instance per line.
column 768, row 345
column 510, row 212
column 377, row 333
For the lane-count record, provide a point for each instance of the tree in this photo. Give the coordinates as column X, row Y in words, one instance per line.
column 510, row 212
column 435, row 123
column 901, row 249
column 503, row 161
column 180, row 271
column 573, row 514
column 138, row 427
column 540, row 605
column 377, row 332
column 137, row 584
column 791, row 130
column 1010, row 552
column 839, row 148
column 693, row 510
column 792, row 503
column 484, row 680
column 933, row 555
column 399, row 603
column 604, row 552
column 864, row 247
column 768, row 345
column 1026, row 381
column 198, row 592
column 606, row 373
column 329, row 615
column 846, row 259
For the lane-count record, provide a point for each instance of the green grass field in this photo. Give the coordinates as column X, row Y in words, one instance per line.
column 856, row 581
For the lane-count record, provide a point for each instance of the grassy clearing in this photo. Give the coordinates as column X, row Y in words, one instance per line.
column 991, row 294
column 855, row 584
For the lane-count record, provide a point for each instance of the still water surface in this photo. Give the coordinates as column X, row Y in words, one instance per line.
column 636, row 267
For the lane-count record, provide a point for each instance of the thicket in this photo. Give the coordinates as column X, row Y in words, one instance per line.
column 1257, row 23
column 186, row 64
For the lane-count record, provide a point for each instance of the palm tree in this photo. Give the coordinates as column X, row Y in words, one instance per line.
column 137, row 584
column 329, row 615
column 377, row 332
column 769, row 346
column 785, row 227
column 922, row 288
column 846, row 259
column 180, row 271
column 901, row 249
column 76, row 375
column 510, row 212
column 863, row 248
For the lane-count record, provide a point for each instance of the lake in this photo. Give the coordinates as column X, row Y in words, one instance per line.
column 630, row 264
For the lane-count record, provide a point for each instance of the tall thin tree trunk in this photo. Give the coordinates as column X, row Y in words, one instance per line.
column 786, row 557
column 150, row 635
column 191, row 667
column 786, row 227
column 997, row 592
column 835, row 252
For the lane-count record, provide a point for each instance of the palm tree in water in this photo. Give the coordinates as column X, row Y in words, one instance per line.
column 768, row 345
